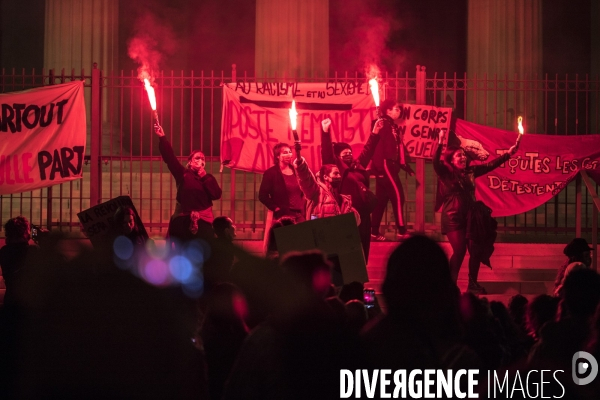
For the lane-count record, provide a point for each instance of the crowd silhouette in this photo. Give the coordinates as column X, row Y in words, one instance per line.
column 268, row 328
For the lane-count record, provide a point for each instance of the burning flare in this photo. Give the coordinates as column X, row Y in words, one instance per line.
column 521, row 130
column 151, row 95
column 375, row 90
column 520, row 122
column 293, row 115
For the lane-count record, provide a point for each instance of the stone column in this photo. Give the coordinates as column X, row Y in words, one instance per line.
column 292, row 38
column 504, row 39
column 78, row 34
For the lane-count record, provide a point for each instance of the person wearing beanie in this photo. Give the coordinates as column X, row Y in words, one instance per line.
column 355, row 178
column 389, row 158
column 579, row 257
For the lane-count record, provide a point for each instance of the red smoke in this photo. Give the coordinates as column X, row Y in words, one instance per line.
column 152, row 41
column 360, row 37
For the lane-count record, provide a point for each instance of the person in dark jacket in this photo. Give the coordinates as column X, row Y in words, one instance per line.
column 457, row 181
column 355, row 178
column 196, row 190
column 14, row 254
column 390, row 157
column 322, row 194
column 579, row 255
column 279, row 190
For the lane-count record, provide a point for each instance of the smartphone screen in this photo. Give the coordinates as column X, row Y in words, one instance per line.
column 369, row 298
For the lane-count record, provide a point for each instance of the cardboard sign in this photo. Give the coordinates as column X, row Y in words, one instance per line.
column 97, row 221
column 337, row 237
column 420, row 126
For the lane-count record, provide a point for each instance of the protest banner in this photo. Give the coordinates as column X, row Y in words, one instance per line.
column 255, row 118
column 542, row 167
column 42, row 137
column 420, row 127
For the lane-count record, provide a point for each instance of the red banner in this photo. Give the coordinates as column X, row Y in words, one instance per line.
column 542, row 167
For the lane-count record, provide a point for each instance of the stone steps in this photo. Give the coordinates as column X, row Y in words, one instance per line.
column 518, row 268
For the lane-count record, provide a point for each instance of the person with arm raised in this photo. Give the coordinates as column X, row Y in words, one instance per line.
column 457, row 181
column 196, row 191
column 355, row 177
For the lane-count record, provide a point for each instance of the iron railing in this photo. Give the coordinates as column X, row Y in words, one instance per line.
column 122, row 154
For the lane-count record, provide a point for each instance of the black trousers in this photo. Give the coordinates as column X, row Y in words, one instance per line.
column 388, row 188
column 460, row 244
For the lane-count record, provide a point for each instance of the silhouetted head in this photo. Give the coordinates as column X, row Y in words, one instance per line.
column 517, row 305
column 224, row 228
column 17, row 230
column 310, row 269
column 271, row 242
column 352, row 291
column 579, row 250
column 539, row 311
column 418, row 285
column 581, row 292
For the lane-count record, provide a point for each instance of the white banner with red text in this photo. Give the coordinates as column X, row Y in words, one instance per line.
column 256, row 117
column 42, row 137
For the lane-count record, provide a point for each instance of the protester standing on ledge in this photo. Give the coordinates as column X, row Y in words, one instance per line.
column 322, row 195
column 390, row 157
column 355, row 178
column 196, row 190
column 457, row 180
column 279, row 190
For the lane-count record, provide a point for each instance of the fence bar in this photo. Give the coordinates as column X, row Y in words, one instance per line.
column 191, row 105
column 595, row 238
column 419, row 225
column 578, row 198
column 96, row 134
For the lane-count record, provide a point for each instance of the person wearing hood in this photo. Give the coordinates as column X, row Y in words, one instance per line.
column 323, row 198
column 579, row 257
column 355, row 177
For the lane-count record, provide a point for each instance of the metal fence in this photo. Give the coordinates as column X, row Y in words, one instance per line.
column 122, row 153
